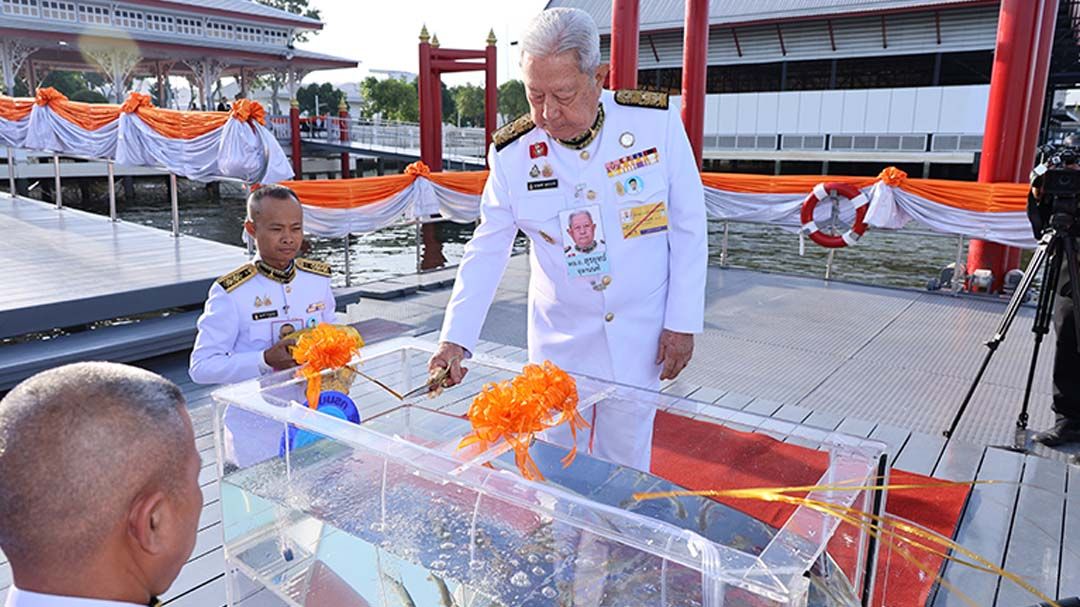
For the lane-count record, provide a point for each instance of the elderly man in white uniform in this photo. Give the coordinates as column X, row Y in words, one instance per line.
column 627, row 311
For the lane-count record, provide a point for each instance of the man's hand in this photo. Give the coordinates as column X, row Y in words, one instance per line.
column 674, row 353
column 278, row 355
column 448, row 355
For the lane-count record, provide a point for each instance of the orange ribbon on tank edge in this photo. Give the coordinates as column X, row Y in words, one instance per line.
column 541, row 397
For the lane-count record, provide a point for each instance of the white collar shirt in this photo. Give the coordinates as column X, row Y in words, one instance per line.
column 24, row 598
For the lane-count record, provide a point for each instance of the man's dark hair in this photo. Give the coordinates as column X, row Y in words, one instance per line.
column 258, row 195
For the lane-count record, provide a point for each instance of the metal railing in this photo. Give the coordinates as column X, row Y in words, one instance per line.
column 58, row 193
column 959, row 278
column 384, row 135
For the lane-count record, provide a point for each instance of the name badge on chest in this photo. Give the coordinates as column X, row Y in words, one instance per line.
column 584, row 248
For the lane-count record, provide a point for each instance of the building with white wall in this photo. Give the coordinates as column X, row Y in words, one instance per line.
column 829, row 86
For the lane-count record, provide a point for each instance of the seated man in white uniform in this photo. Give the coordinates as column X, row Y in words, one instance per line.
column 626, row 311
column 99, row 487
column 251, row 308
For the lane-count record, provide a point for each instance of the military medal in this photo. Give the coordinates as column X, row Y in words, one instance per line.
column 547, row 171
column 591, row 195
column 626, row 139
column 579, row 189
column 258, row 302
column 619, row 189
column 538, row 149
column 534, row 172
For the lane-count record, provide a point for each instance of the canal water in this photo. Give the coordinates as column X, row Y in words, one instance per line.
column 900, row 259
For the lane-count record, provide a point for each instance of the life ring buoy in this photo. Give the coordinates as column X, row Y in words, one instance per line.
column 823, row 191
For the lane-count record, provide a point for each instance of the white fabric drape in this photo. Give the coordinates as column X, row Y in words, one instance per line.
column 13, row 132
column 893, row 207
column 237, row 150
column 51, row 132
column 889, row 207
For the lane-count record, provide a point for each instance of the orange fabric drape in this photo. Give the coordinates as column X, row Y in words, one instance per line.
column 775, row 184
column 967, row 195
column 182, row 125
column 348, row 193
column 466, row 182
column 971, row 196
column 15, row 108
column 362, row 191
column 173, row 124
column 89, row 116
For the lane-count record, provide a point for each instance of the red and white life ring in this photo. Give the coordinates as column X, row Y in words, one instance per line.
column 823, row 191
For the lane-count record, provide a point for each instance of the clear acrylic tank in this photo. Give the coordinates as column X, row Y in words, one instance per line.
column 320, row 511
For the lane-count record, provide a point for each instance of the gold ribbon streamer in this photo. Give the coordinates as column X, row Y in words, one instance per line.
column 877, row 526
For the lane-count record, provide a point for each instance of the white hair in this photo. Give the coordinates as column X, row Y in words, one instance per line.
column 558, row 30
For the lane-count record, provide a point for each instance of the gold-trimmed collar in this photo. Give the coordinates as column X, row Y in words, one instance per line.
column 588, row 136
column 283, row 276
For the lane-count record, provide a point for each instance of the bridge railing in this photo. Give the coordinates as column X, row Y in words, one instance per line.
column 384, row 135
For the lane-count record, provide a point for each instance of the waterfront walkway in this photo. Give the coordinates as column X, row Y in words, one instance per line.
column 70, row 267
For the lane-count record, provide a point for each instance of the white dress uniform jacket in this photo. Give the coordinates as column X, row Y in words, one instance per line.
column 22, row 598
column 607, row 325
column 249, row 310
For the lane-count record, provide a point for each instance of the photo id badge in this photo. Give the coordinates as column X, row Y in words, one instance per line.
column 283, row 328
column 583, row 241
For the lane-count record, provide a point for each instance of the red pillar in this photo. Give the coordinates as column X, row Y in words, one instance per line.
column 294, row 138
column 491, row 90
column 695, row 52
column 1037, row 94
column 423, row 85
column 624, row 44
column 343, row 116
column 1013, row 91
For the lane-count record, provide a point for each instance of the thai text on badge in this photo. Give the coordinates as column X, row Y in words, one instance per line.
column 643, row 219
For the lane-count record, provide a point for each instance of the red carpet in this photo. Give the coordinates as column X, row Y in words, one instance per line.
column 700, row 455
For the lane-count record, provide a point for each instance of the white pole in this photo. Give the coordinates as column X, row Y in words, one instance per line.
column 175, row 206
column 59, row 194
column 11, row 171
column 112, row 190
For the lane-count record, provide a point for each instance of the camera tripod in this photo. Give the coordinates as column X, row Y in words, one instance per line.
column 1056, row 246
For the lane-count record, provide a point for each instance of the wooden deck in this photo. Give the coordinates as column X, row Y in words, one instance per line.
column 71, row 267
column 1030, row 525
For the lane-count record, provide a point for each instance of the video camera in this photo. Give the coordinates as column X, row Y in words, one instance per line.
column 1059, row 187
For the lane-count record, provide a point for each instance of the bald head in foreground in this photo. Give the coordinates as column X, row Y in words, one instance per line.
column 99, row 491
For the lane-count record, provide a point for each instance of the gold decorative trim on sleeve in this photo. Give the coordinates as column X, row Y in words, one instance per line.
column 636, row 98
column 312, row 266
column 237, row 277
column 512, row 131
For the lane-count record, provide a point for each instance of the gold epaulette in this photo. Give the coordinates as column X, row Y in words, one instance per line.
column 237, row 277
column 312, row 266
column 636, row 98
column 510, row 132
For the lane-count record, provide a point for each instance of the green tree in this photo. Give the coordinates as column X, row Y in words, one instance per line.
column 296, row 7
column 512, row 101
column 390, row 98
column 449, row 104
column 329, row 98
column 89, row 96
column 68, row 83
column 469, row 100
